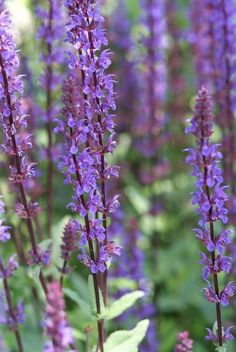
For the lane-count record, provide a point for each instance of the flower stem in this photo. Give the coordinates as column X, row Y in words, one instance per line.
column 92, row 255
column 22, row 193
column 215, row 276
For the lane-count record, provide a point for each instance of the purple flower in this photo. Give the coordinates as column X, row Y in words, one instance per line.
column 7, row 271
column 4, row 232
column 56, row 324
column 227, row 336
column 16, row 139
column 87, row 128
column 210, row 198
column 42, row 257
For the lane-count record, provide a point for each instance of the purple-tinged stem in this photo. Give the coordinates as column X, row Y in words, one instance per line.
column 213, row 257
column 22, row 193
column 92, row 254
column 102, row 176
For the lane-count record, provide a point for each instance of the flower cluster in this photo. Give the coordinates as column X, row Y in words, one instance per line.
column 16, row 144
column 214, row 28
column 185, row 344
column 56, row 325
column 10, row 316
column 16, row 139
column 88, row 129
column 7, row 271
column 210, row 198
column 153, row 77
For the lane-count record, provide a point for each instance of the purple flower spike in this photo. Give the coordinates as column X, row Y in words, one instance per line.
column 56, row 324
column 88, row 129
column 16, row 140
column 153, row 74
column 210, row 198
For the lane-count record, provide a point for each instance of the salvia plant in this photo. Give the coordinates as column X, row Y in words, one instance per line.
column 95, row 249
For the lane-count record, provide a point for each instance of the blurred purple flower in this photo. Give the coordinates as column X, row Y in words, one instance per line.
column 70, row 239
column 153, row 77
column 6, row 271
column 56, row 324
column 16, row 139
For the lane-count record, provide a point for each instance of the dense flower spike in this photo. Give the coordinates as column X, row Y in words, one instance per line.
column 56, row 324
column 88, row 127
column 50, row 34
column 185, row 344
column 215, row 30
column 16, row 144
column 210, row 198
column 70, row 239
column 153, row 77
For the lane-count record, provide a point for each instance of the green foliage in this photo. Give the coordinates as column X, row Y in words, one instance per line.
column 127, row 341
column 121, row 305
column 92, row 298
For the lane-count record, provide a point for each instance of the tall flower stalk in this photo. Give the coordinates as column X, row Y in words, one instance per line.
column 210, row 198
column 15, row 143
column 50, row 31
column 214, row 32
column 88, row 130
column 56, row 324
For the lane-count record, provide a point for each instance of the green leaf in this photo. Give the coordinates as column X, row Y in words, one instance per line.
column 45, row 244
column 222, row 349
column 122, row 304
column 57, row 231
column 84, row 306
column 127, row 340
column 139, row 201
column 92, row 298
